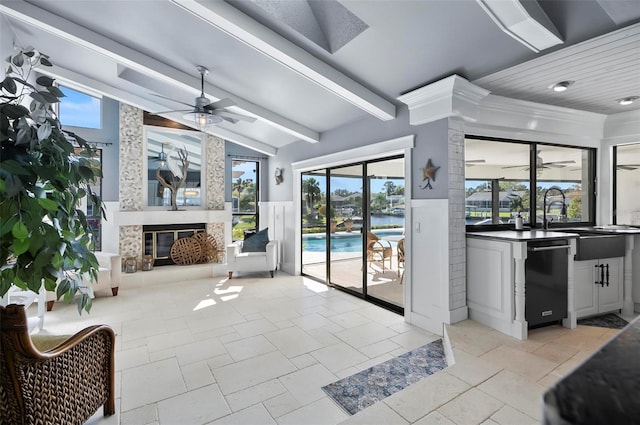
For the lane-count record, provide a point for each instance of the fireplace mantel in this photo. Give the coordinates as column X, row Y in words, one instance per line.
column 132, row 218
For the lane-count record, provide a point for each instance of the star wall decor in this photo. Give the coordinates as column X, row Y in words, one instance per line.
column 428, row 174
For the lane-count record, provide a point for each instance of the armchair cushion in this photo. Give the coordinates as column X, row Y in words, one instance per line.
column 257, row 242
column 241, row 261
column 65, row 384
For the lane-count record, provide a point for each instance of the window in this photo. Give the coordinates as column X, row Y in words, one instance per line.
column 626, row 209
column 79, row 109
column 245, row 197
column 499, row 176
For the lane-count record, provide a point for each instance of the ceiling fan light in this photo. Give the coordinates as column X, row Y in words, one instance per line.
column 627, row 100
column 202, row 120
column 562, row 86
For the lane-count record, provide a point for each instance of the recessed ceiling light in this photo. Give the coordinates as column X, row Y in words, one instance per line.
column 562, row 85
column 627, row 100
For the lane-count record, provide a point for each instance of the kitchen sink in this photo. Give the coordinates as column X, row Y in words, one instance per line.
column 592, row 244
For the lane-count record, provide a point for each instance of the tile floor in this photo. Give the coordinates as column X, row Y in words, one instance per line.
column 257, row 350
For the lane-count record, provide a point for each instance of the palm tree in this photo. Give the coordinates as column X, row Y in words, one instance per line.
column 311, row 189
column 239, row 186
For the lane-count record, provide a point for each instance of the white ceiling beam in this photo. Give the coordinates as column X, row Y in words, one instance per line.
column 525, row 21
column 137, row 61
column 250, row 32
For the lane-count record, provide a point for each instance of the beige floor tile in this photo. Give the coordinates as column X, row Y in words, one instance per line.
column 306, row 384
column 282, row 404
column 547, row 333
column 414, row 338
column 303, row 360
column 349, row 319
column 197, row 375
column 473, row 340
column 434, row 418
column 378, row 348
column 168, row 340
column 254, row 327
column 253, row 415
column 126, row 359
column 247, row 373
column 426, row 395
column 507, row 415
column 473, row 370
column 141, row 416
column 520, row 362
column 549, row 380
column 321, row 412
column 378, row 414
column 339, row 356
column 199, row 350
column 293, row 341
column 555, row 352
column 516, row 391
column 249, row 347
column 471, row 407
column 195, row 407
column 366, row 334
column 255, row 394
column 308, row 322
column 150, row 383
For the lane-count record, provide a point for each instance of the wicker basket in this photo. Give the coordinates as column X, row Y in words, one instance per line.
column 208, row 245
column 186, row 251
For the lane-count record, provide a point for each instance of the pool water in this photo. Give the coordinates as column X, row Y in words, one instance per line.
column 342, row 242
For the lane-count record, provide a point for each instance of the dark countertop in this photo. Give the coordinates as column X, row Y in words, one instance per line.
column 538, row 234
column 522, row 235
column 605, row 389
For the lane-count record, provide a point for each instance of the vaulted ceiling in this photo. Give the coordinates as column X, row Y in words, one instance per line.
column 302, row 68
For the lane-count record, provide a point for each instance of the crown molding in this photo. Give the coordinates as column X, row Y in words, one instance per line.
column 449, row 97
column 623, row 127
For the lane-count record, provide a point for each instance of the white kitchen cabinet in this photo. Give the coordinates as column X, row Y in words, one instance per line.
column 598, row 286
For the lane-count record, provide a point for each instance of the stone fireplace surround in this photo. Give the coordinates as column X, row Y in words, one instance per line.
column 132, row 214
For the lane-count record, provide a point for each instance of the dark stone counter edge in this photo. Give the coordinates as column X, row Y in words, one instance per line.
column 521, row 235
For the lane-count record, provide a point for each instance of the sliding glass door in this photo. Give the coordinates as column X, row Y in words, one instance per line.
column 314, row 224
column 353, row 229
column 345, row 212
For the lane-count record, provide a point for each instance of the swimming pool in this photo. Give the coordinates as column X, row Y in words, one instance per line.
column 342, row 242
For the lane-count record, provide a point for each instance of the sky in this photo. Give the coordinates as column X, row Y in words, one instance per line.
column 79, row 109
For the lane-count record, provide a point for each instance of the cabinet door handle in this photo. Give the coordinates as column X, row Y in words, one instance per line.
column 602, row 275
column 597, row 282
column 607, row 274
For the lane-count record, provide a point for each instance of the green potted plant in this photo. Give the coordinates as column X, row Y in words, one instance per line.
column 44, row 173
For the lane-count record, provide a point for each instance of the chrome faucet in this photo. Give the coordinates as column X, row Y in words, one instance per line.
column 563, row 209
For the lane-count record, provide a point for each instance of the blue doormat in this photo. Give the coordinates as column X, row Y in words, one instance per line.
column 609, row 320
column 365, row 388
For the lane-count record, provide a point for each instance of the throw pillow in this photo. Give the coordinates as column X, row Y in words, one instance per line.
column 257, row 242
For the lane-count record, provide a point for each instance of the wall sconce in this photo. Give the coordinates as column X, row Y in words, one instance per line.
column 279, row 175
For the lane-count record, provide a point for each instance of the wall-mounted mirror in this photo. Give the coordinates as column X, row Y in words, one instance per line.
column 163, row 153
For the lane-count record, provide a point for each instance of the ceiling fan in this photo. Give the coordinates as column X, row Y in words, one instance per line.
column 540, row 164
column 204, row 112
column 472, row 162
column 162, row 156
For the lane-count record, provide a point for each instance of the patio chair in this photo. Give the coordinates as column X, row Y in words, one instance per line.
column 401, row 259
column 378, row 249
column 64, row 383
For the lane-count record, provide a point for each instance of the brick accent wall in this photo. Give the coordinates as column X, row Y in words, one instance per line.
column 457, row 239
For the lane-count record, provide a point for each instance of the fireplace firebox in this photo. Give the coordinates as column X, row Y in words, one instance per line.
column 158, row 239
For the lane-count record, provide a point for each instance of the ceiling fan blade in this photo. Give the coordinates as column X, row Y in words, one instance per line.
column 173, row 110
column 222, row 103
column 516, row 166
column 231, row 120
column 173, row 100
column 475, row 161
column 552, row 165
column 234, row 116
column 628, row 167
column 570, row 161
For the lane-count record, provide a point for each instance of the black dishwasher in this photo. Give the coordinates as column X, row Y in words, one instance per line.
column 546, row 281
